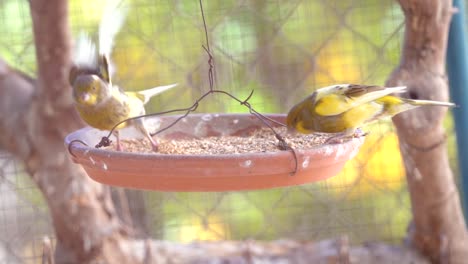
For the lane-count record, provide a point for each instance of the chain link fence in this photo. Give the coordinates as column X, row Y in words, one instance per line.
column 282, row 50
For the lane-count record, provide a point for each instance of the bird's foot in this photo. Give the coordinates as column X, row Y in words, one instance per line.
column 336, row 139
column 343, row 137
column 154, row 144
column 119, row 147
column 155, row 147
column 359, row 133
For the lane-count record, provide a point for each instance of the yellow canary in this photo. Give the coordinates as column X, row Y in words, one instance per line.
column 343, row 108
column 101, row 104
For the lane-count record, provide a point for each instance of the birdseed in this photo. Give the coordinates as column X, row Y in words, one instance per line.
column 262, row 140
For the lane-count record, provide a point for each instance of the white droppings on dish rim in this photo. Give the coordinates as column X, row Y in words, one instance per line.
column 246, row 163
column 306, row 162
column 340, row 151
column 328, row 150
column 207, row 117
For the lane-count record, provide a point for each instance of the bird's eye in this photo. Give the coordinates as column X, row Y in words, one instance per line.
column 413, row 95
column 93, row 87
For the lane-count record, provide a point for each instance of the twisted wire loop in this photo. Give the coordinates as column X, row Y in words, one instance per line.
column 81, row 142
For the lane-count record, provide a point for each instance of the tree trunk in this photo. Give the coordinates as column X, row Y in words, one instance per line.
column 130, row 206
column 438, row 228
column 40, row 114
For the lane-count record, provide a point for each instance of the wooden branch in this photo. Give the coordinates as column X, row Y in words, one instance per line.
column 281, row 251
column 438, row 229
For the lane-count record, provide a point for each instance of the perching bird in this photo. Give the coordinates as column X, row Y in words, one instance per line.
column 343, row 108
column 99, row 102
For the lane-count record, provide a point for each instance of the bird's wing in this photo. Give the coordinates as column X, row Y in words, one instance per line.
column 112, row 20
column 367, row 93
column 146, row 95
column 104, row 69
column 348, row 97
column 84, row 58
column 84, row 54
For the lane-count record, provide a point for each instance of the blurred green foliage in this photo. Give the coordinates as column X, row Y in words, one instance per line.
column 282, row 50
column 16, row 39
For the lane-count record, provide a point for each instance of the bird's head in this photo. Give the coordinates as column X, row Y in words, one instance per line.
column 293, row 118
column 297, row 117
column 89, row 89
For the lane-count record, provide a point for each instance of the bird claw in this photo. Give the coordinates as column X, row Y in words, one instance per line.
column 359, row 133
column 154, row 144
column 155, row 147
column 119, row 147
column 341, row 138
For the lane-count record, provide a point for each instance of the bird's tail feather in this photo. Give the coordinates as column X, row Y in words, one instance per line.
column 429, row 102
column 146, row 95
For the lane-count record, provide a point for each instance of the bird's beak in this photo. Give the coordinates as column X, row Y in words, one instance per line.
column 292, row 131
column 85, row 97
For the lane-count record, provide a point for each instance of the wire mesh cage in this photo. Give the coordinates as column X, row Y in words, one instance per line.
column 282, row 50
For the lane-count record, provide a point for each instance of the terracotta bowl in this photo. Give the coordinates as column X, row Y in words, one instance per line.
column 223, row 172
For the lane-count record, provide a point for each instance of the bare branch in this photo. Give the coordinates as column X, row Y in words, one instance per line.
column 282, row 251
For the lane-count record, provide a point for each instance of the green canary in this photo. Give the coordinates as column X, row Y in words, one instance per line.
column 343, row 108
column 100, row 103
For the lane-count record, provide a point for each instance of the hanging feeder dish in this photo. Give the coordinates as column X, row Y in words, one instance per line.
column 207, row 172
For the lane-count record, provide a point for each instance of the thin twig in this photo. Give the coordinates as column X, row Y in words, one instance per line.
column 206, row 29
